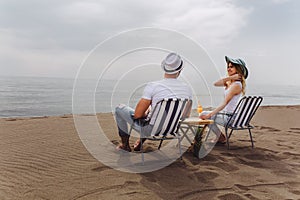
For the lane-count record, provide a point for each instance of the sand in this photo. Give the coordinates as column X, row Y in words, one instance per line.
column 43, row 158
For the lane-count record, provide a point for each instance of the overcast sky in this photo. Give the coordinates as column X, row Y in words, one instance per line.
column 51, row 38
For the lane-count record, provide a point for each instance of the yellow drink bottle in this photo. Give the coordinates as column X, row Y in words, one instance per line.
column 199, row 108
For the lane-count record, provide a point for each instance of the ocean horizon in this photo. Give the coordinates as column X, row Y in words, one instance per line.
column 44, row 96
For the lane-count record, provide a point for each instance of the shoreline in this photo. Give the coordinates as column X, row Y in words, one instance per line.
column 70, row 114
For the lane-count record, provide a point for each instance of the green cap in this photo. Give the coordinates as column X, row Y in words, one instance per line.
column 239, row 62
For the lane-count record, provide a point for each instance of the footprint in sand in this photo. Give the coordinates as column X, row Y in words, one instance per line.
column 260, row 157
column 225, row 166
column 206, row 176
column 249, row 163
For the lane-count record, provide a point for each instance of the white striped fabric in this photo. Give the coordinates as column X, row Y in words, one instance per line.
column 169, row 113
column 245, row 111
column 168, row 117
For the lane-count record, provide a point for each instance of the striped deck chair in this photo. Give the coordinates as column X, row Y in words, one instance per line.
column 242, row 115
column 168, row 112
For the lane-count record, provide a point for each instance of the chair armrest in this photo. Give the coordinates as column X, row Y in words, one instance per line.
column 223, row 113
column 142, row 120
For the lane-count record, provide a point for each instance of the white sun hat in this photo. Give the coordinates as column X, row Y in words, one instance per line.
column 172, row 63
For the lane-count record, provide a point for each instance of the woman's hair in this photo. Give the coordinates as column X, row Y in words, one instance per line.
column 239, row 71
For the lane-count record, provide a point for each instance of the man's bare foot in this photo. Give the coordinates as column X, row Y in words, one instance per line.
column 137, row 145
column 123, row 147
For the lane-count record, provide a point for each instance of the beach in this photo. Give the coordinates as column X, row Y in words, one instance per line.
column 44, row 158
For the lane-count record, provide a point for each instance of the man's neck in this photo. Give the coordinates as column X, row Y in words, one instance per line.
column 171, row 75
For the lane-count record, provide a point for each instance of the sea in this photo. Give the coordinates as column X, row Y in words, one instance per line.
column 43, row 96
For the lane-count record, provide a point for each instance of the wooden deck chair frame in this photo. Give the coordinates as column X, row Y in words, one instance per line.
column 241, row 117
column 165, row 126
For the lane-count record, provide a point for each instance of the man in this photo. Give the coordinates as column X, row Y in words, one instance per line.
column 169, row 87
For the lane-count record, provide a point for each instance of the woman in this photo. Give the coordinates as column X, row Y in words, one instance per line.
column 235, row 85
